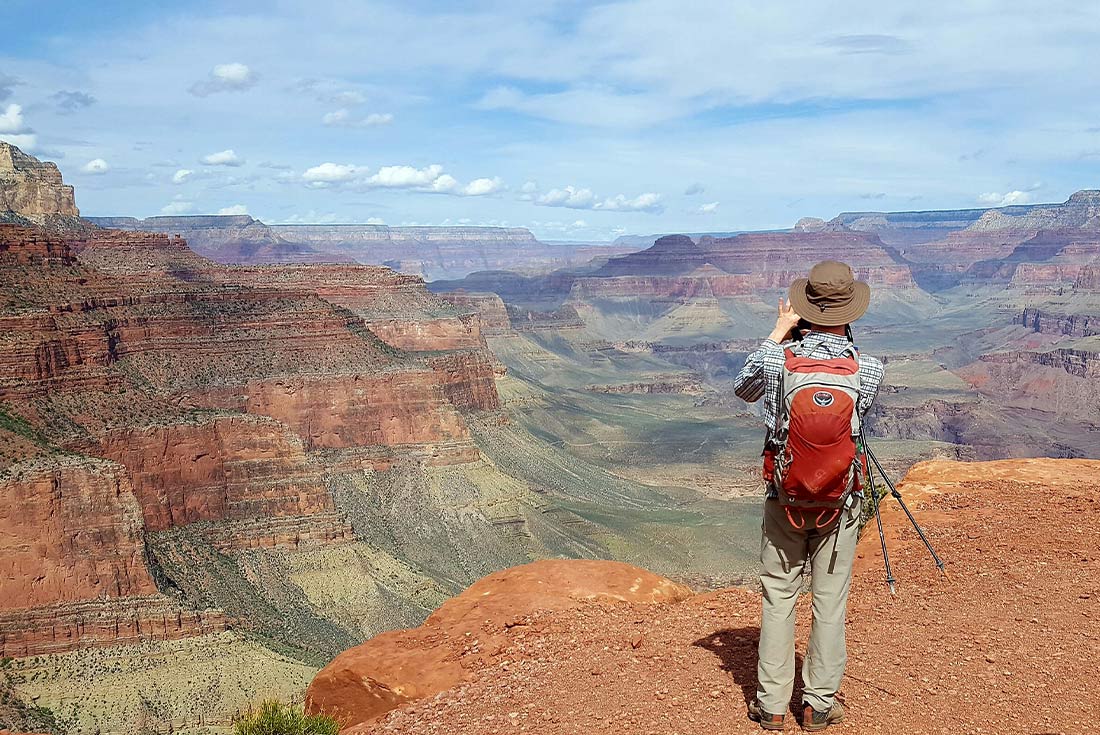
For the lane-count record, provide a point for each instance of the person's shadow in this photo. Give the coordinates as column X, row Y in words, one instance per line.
column 736, row 652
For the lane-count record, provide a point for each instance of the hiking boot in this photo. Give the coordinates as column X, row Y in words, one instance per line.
column 767, row 721
column 812, row 720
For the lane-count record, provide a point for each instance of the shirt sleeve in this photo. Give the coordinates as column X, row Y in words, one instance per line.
column 871, row 372
column 752, row 381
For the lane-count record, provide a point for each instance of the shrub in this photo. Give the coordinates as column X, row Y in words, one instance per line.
column 275, row 718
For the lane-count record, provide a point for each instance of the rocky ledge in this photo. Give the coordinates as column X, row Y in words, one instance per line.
column 572, row 646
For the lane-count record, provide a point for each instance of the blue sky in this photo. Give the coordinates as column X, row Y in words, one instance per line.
column 578, row 120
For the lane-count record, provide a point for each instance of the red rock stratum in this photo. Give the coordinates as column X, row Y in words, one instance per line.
column 1006, row 645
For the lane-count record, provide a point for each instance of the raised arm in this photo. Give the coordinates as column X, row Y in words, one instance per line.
column 751, row 382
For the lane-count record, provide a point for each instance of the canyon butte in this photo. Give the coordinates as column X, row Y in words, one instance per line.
column 219, row 476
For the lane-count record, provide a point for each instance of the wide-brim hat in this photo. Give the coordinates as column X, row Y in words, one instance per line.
column 831, row 296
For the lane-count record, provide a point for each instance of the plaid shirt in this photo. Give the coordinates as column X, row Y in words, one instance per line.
column 764, row 368
column 761, row 375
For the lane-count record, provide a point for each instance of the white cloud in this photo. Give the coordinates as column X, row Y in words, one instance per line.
column 177, row 207
column 95, row 166
column 403, row 177
column 571, row 197
column 444, row 184
column 343, row 118
column 375, row 221
column 182, row 175
column 27, row 142
column 577, row 198
column 430, row 179
column 11, row 121
column 694, row 189
column 708, row 208
column 235, row 77
column 234, row 209
column 328, row 173
column 228, row 157
column 14, row 129
column 996, row 199
column 647, row 202
column 481, row 187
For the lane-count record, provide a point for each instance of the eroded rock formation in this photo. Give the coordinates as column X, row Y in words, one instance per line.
column 364, row 683
column 31, row 191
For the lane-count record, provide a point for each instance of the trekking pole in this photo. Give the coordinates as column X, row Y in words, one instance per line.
column 897, row 495
column 878, row 519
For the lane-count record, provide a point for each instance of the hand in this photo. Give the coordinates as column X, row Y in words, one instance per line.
column 786, row 320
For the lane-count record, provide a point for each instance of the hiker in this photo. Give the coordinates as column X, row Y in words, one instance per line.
column 816, row 389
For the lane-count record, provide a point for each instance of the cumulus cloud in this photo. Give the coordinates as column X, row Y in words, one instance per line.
column 708, row 208
column 11, row 120
column 70, row 102
column 330, row 173
column 573, row 197
column 234, row 77
column 177, row 207
column 14, row 129
column 228, row 157
column 95, row 166
column 182, row 175
column 694, row 189
column 343, row 118
column 481, row 187
column 647, row 202
column 234, row 209
column 405, row 177
column 375, row 221
column 996, row 199
column 430, row 179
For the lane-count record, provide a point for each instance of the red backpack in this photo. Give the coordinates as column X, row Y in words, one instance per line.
column 811, row 458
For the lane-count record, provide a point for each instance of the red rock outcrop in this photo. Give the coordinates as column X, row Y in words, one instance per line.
column 491, row 308
column 342, row 411
column 365, row 682
column 58, row 628
column 33, row 189
column 468, row 379
column 1020, row 539
column 70, row 530
column 217, row 468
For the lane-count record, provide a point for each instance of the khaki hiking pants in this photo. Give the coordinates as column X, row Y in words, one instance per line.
column 786, row 553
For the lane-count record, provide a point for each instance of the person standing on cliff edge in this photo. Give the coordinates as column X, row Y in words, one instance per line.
column 816, row 389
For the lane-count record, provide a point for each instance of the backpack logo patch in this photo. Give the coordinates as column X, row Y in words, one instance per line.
column 823, row 398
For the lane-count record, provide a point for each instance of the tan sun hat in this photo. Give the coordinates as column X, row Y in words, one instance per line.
column 831, row 296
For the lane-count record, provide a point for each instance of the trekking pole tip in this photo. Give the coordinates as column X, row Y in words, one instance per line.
column 893, row 590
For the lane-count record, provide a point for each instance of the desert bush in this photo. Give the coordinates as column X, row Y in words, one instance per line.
column 275, row 718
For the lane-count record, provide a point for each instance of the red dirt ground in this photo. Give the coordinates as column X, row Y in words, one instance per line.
column 1007, row 645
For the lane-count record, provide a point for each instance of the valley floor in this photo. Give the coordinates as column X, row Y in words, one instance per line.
column 1004, row 646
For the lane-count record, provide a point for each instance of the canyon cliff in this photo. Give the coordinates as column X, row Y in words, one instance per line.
column 32, row 192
